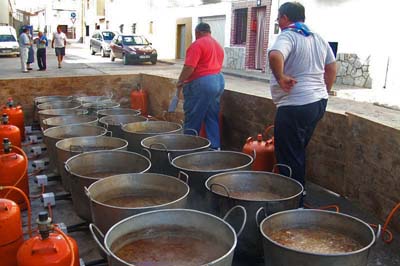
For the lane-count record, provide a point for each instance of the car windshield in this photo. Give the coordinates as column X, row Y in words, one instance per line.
column 7, row 38
column 135, row 40
column 108, row 35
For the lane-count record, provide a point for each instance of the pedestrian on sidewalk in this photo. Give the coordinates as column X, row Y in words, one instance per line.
column 59, row 42
column 203, row 84
column 41, row 44
column 304, row 70
column 24, row 44
column 31, row 53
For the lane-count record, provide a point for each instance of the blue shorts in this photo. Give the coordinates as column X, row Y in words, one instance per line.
column 60, row 51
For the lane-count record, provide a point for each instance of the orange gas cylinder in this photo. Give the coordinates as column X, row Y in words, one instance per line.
column 264, row 151
column 11, row 237
column 50, row 248
column 15, row 116
column 13, row 172
column 10, row 132
column 139, row 100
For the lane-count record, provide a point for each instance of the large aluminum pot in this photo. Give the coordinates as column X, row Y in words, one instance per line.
column 59, row 105
column 117, row 197
column 170, row 237
column 93, row 107
column 253, row 190
column 134, row 133
column 201, row 165
column 163, row 148
column 44, row 114
column 114, row 123
column 278, row 254
column 69, row 147
column 94, row 98
column 69, row 120
column 45, row 99
column 54, row 134
column 86, row 168
column 118, row 111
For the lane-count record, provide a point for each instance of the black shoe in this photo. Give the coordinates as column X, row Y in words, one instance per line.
column 29, row 68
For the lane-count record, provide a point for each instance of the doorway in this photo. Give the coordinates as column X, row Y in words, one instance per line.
column 260, row 38
column 181, row 45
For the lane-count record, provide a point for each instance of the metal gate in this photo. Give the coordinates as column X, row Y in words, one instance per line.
column 217, row 24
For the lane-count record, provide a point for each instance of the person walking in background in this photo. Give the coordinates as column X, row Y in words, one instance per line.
column 31, row 53
column 41, row 44
column 203, row 84
column 24, row 44
column 59, row 42
column 304, row 70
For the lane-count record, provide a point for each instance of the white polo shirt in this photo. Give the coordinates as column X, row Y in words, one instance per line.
column 59, row 39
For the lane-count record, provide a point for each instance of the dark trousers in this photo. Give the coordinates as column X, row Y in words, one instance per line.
column 294, row 126
column 41, row 58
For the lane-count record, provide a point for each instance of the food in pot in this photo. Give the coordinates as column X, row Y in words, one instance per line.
column 170, row 246
column 254, row 195
column 138, row 200
column 315, row 240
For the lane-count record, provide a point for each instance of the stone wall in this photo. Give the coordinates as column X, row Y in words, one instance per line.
column 235, row 57
column 353, row 71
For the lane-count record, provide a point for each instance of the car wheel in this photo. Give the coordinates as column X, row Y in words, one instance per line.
column 125, row 59
column 154, row 61
column 112, row 57
column 93, row 52
column 103, row 54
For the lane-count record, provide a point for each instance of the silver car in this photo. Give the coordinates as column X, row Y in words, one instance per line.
column 100, row 42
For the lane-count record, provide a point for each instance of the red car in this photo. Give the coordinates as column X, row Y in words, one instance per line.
column 132, row 49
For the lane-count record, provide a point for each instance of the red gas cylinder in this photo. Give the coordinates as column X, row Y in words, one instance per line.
column 10, row 132
column 13, row 172
column 264, row 151
column 11, row 237
column 50, row 248
column 139, row 100
column 15, row 116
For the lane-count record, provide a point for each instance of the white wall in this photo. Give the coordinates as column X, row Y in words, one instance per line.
column 4, row 18
column 364, row 27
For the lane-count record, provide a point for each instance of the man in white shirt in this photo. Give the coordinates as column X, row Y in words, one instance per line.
column 59, row 42
column 304, row 70
column 24, row 44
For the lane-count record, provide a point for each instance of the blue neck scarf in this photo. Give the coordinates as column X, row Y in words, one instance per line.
column 300, row 28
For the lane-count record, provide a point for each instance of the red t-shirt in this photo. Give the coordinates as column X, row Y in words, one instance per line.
column 206, row 56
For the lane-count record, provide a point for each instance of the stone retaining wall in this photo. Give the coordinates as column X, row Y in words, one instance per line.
column 353, row 71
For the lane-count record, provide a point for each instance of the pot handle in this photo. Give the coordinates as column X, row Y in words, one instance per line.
column 169, row 158
column 244, row 217
column 87, row 192
column 148, row 153
column 267, row 130
column 284, row 165
column 108, row 132
column 378, row 233
column 66, row 166
column 258, row 215
column 191, row 129
column 181, row 173
column 78, row 148
column 220, row 185
column 105, row 125
column 161, row 144
column 96, row 231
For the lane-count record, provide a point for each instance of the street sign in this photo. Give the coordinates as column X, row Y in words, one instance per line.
column 73, row 15
column 73, row 20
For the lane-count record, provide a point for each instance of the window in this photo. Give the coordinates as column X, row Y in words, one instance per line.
column 151, row 27
column 240, row 26
column 133, row 28
column 108, row 35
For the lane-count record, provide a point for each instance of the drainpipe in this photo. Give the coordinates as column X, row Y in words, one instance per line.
column 387, row 70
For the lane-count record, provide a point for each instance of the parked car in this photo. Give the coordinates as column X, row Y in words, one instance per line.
column 132, row 49
column 100, row 42
column 8, row 41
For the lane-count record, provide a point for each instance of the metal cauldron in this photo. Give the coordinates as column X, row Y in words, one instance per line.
column 69, row 120
column 185, row 237
column 45, row 99
column 253, row 190
column 114, row 123
column 93, row 107
column 117, row 197
column 86, row 168
column 44, row 114
column 278, row 254
column 163, row 148
column 59, row 105
column 117, row 111
column 54, row 134
column 134, row 133
column 201, row 165
column 69, row 147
